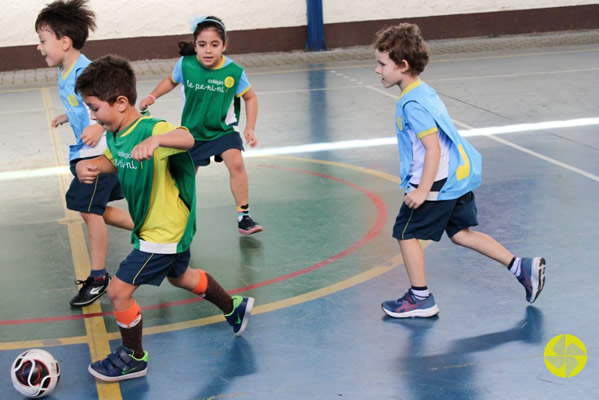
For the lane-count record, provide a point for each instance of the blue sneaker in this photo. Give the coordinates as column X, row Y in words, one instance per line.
column 532, row 277
column 410, row 306
column 120, row 365
column 239, row 317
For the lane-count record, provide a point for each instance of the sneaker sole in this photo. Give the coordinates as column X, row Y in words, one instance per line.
column 421, row 313
column 538, row 278
column 105, row 378
column 255, row 229
column 246, row 316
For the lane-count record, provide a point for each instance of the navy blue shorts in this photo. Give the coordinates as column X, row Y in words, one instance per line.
column 141, row 268
column 202, row 151
column 92, row 198
column 428, row 221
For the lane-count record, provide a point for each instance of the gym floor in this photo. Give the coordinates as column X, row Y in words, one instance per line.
column 323, row 183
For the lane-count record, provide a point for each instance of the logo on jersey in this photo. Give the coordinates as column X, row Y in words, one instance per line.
column 229, row 82
column 399, row 123
column 73, row 100
column 123, row 160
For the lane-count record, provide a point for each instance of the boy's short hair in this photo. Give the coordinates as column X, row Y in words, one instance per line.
column 107, row 78
column 67, row 18
column 404, row 42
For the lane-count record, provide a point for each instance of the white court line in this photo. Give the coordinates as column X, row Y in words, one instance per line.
column 490, row 132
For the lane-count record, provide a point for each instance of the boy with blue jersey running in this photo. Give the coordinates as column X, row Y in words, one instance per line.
column 439, row 170
column 158, row 178
column 63, row 28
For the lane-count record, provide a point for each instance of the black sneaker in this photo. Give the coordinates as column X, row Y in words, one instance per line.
column 247, row 225
column 91, row 290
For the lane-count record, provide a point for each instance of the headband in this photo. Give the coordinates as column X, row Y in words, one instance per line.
column 198, row 20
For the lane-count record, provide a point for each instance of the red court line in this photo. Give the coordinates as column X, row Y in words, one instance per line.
column 374, row 231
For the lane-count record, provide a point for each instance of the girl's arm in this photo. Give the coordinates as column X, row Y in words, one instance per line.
column 176, row 139
column 251, row 114
column 163, row 87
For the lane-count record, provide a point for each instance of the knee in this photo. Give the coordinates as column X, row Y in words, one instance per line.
column 461, row 237
column 115, row 295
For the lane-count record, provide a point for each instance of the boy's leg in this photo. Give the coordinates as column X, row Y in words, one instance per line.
column 129, row 360
column 411, row 305
column 238, row 180
column 413, row 257
column 530, row 272
column 237, row 309
column 117, row 217
column 484, row 244
column 97, row 282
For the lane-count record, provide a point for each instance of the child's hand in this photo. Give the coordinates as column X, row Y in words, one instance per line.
column 86, row 172
column 61, row 119
column 91, row 135
column 250, row 138
column 145, row 149
column 415, row 198
column 146, row 102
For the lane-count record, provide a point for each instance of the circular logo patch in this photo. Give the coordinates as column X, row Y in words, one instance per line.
column 565, row 356
column 73, row 100
column 229, row 82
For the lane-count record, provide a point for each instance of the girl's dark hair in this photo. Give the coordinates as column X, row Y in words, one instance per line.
column 67, row 18
column 107, row 78
column 404, row 42
column 188, row 48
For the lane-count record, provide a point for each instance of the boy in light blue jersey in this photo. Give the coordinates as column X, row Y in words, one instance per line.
column 63, row 28
column 439, row 169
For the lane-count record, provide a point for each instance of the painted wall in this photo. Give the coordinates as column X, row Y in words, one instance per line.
column 146, row 18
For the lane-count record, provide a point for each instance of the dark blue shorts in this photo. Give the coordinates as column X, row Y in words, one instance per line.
column 92, row 198
column 202, row 151
column 428, row 221
column 141, row 268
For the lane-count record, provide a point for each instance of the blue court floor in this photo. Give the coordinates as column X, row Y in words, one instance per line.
column 323, row 183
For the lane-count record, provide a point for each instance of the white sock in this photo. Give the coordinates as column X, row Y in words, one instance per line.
column 515, row 269
column 420, row 293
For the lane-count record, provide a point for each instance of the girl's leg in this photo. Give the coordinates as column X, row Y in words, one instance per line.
column 484, row 244
column 238, row 176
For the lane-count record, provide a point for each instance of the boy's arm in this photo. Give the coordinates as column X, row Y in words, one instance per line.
column 88, row 170
column 177, row 139
column 61, row 119
column 416, row 197
column 163, row 87
column 251, row 114
column 92, row 134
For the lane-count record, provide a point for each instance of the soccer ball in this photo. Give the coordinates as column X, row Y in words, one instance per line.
column 35, row 373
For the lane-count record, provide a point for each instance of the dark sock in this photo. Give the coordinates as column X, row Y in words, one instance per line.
column 218, row 296
column 132, row 338
column 99, row 274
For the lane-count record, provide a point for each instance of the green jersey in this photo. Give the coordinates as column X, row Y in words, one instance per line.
column 160, row 192
column 212, row 96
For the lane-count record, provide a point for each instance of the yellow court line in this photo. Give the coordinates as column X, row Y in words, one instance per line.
column 97, row 338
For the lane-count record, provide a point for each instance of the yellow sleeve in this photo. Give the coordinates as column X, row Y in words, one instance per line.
column 160, row 129
column 108, row 155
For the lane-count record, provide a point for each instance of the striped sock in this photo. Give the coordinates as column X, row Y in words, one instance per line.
column 242, row 211
column 420, row 292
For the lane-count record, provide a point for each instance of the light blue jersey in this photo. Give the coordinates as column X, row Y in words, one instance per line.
column 465, row 167
column 77, row 112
